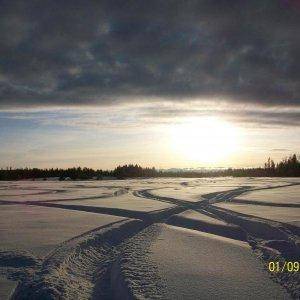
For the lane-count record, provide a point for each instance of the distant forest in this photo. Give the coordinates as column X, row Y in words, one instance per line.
column 288, row 167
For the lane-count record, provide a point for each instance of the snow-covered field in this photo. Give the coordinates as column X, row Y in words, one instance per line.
column 281, row 214
column 39, row 229
column 190, row 193
column 280, row 204
column 167, row 238
column 282, row 196
column 128, row 202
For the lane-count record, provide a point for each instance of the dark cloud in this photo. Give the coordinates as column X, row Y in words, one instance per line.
column 94, row 52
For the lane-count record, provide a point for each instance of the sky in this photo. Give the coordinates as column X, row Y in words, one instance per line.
column 207, row 83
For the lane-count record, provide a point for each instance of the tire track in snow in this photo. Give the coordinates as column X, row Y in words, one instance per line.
column 75, row 269
column 270, row 240
column 82, row 265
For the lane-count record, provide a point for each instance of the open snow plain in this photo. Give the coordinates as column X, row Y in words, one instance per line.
column 204, row 238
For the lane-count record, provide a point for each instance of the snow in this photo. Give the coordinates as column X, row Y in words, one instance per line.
column 18, row 192
column 289, row 215
column 265, row 182
column 59, row 194
column 128, row 202
column 79, row 268
column 202, row 221
column 193, row 194
column 284, row 195
column 198, row 216
column 40, row 229
column 191, row 265
column 199, row 265
column 153, row 238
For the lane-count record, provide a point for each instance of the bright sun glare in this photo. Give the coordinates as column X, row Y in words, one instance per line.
column 205, row 140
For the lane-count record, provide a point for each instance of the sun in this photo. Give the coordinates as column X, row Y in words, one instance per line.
column 205, row 140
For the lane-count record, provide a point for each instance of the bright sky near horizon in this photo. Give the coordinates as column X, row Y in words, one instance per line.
column 208, row 83
column 106, row 137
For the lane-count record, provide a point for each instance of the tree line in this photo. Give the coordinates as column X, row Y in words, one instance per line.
column 287, row 167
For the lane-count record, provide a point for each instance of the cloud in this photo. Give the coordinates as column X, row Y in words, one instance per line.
column 129, row 117
column 62, row 53
column 280, row 150
column 246, row 115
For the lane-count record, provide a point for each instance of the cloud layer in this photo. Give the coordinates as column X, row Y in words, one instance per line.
column 98, row 52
